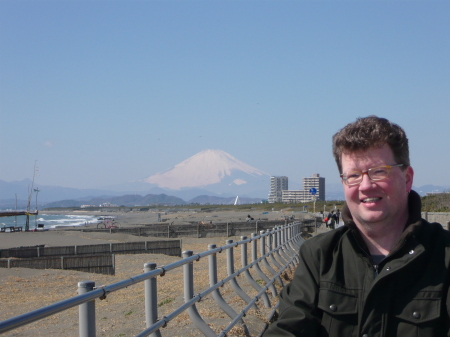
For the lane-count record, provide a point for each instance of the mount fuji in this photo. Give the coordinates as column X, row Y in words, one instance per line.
column 212, row 171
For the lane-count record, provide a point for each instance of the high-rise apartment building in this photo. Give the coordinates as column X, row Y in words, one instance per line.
column 317, row 182
column 277, row 186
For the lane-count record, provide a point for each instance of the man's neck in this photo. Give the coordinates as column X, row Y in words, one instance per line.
column 381, row 238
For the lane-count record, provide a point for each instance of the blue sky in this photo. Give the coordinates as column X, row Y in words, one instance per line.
column 105, row 92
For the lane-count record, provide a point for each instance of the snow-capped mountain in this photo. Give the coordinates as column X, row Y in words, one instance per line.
column 214, row 170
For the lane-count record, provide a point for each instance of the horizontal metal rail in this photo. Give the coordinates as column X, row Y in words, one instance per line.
column 279, row 246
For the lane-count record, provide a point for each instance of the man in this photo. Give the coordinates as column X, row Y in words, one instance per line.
column 331, row 220
column 385, row 272
column 338, row 216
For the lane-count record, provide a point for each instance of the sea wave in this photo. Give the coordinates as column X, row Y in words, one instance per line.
column 51, row 220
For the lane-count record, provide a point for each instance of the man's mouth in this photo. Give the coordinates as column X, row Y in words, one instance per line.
column 366, row 200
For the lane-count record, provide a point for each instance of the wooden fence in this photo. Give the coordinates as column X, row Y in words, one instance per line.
column 88, row 258
column 166, row 247
column 100, row 264
column 197, row 230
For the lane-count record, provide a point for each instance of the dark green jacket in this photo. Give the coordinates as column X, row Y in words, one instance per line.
column 337, row 290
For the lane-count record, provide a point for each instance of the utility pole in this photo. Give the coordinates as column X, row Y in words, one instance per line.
column 27, row 224
column 37, row 190
column 15, row 218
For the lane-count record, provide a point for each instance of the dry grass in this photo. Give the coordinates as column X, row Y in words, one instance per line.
column 122, row 312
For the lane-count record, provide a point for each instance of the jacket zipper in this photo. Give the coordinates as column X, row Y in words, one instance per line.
column 375, row 272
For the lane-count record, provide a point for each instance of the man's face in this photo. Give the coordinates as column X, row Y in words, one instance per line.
column 383, row 202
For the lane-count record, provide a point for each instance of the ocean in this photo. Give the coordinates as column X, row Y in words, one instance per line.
column 48, row 220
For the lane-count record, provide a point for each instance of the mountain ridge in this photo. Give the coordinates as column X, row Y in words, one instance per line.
column 333, row 192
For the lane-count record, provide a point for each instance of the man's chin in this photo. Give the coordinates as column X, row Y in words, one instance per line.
column 371, row 218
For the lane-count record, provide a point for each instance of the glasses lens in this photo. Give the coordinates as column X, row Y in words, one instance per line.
column 378, row 173
column 353, row 178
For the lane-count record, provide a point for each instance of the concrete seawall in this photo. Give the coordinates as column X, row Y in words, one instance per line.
column 440, row 217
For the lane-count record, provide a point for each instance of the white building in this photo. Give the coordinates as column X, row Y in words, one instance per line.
column 317, row 182
column 277, row 186
column 295, row 196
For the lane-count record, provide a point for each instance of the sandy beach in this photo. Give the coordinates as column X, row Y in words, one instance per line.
column 122, row 313
column 68, row 236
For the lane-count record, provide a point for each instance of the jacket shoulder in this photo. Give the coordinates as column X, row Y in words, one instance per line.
column 437, row 231
column 325, row 241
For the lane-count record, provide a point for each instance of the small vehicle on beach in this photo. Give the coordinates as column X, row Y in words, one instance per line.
column 102, row 218
column 107, row 222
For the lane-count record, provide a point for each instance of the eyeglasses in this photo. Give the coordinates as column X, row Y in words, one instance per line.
column 374, row 173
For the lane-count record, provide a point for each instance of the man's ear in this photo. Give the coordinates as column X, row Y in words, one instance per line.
column 409, row 176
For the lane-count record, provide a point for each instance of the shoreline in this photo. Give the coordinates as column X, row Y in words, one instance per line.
column 73, row 235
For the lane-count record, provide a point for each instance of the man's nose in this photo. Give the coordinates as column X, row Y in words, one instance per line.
column 366, row 182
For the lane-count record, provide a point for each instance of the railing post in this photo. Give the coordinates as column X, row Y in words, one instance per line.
column 151, row 299
column 288, row 244
column 249, row 276
column 212, row 259
column 282, row 244
column 258, row 268
column 294, row 235
column 273, row 247
column 230, row 269
column 86, row 311
column 188, row 272
column 287, row 238
column 277, row 247
column 264, row 260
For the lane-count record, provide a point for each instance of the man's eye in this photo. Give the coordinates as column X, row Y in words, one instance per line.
column 353, row 175
column 379, row 170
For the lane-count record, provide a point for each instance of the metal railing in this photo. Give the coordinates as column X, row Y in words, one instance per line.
column 278, row 252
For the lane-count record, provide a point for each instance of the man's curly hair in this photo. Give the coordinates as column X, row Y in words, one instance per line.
column 371, row 132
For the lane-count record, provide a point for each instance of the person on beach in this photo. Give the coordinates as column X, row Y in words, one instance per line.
column 331, row 220
column 385, row 272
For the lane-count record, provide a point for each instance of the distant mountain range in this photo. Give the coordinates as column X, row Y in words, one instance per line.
column 152, row 199
column 210, row 176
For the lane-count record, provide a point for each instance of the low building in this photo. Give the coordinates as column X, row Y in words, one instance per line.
column 295, row 196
